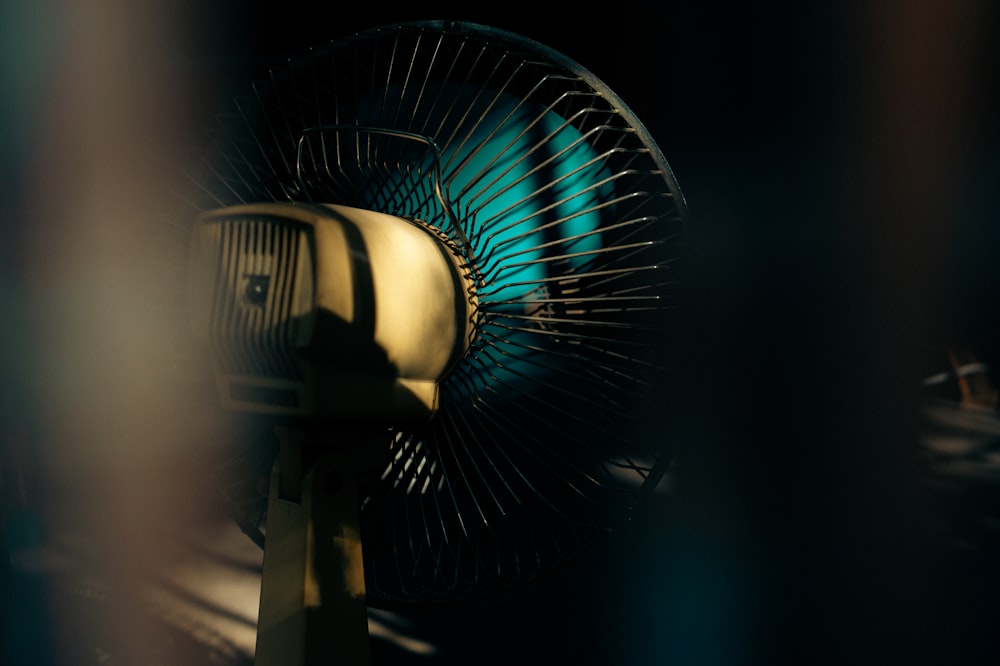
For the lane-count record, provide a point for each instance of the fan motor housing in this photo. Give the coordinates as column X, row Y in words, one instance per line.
column 327, row 310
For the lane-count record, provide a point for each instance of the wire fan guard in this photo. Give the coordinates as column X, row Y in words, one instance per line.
column 567, row 214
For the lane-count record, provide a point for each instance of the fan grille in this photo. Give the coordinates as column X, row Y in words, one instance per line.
column 552, row 427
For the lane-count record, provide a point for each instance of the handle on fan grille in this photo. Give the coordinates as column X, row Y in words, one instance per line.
column 439, row 190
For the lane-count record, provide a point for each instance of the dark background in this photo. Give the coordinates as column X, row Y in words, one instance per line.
column 840, row 162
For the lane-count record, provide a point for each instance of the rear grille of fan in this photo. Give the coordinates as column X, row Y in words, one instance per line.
column 257, row 338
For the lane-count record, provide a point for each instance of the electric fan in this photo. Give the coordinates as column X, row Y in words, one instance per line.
column 438, row 260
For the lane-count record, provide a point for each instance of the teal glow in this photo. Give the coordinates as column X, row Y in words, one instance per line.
column 529, row 186
column 530, row 192
column 526, row 185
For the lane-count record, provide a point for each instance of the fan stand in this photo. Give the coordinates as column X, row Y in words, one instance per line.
column 312, row 600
